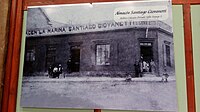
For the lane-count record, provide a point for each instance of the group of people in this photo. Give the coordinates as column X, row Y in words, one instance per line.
column 148, row 66
column 144, row 66
column 55, row 71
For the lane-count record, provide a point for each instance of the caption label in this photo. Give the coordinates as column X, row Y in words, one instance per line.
column 141, row 13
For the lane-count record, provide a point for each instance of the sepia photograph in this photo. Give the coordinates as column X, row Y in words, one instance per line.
column 115, row 55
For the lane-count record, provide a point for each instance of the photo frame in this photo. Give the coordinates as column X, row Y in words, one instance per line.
column 99, row 56
column 12, row 64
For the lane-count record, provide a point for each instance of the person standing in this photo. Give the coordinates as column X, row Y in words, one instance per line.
column 153, row 67
column 140, row 68
column 50, row 71
column 69, row 63
column 55, row 72
column 60, row 69
column 137, row 69
column 144, row 66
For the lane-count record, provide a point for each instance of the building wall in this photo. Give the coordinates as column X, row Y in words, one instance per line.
column 124, row 49
column 40, row 45
column 164, row 39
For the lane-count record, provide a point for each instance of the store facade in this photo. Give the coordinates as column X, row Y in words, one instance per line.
column 101, row 49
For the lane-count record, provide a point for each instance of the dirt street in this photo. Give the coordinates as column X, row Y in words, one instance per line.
column 109, row 94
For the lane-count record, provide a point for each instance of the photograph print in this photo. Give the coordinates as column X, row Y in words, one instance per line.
column 114, row 55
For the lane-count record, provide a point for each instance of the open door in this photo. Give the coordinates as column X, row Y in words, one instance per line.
column 75, row 58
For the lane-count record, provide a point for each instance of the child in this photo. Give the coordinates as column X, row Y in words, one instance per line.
column 128, row 78
column 165, row 76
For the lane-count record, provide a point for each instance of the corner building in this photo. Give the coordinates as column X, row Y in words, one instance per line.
column 107, row 48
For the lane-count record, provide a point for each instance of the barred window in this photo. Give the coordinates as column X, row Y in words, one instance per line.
column 30, row 55
column 102, row 54
column 168, row 58
column 50, row 54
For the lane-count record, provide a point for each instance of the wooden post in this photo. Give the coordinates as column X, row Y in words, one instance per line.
column 13, row 56
column 97, row 110
column 189, row 58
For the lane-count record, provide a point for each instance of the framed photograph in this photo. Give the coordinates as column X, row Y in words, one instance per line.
column 77, row 57
column 117, row 55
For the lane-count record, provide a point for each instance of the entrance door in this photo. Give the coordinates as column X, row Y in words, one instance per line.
column 50, row 56
column 146, row 51
column 75, row 59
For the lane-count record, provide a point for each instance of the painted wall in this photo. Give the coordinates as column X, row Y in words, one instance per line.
column 196, row 51
column 4, row 9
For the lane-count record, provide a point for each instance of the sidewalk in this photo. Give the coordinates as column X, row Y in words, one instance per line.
column 96, row 79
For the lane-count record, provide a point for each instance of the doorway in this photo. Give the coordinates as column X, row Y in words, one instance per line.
column 146, row 51
column 75, row 58
column 50, row 56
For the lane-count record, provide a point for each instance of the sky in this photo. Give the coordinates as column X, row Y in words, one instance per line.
column 97, row 12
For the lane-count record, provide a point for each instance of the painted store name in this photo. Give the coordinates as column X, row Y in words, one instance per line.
column 85, row 28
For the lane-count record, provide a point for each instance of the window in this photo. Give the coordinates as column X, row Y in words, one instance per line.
column 30, row 55
column 168, row 59
column 50, row 54
column 102, row 54
column 145, row 44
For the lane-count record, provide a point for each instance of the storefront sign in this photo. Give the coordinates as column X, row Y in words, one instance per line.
column 96, row 27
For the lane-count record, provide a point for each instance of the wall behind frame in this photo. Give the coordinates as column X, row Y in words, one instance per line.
column 195, row 18
column 179, row 64
column 4, row 9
